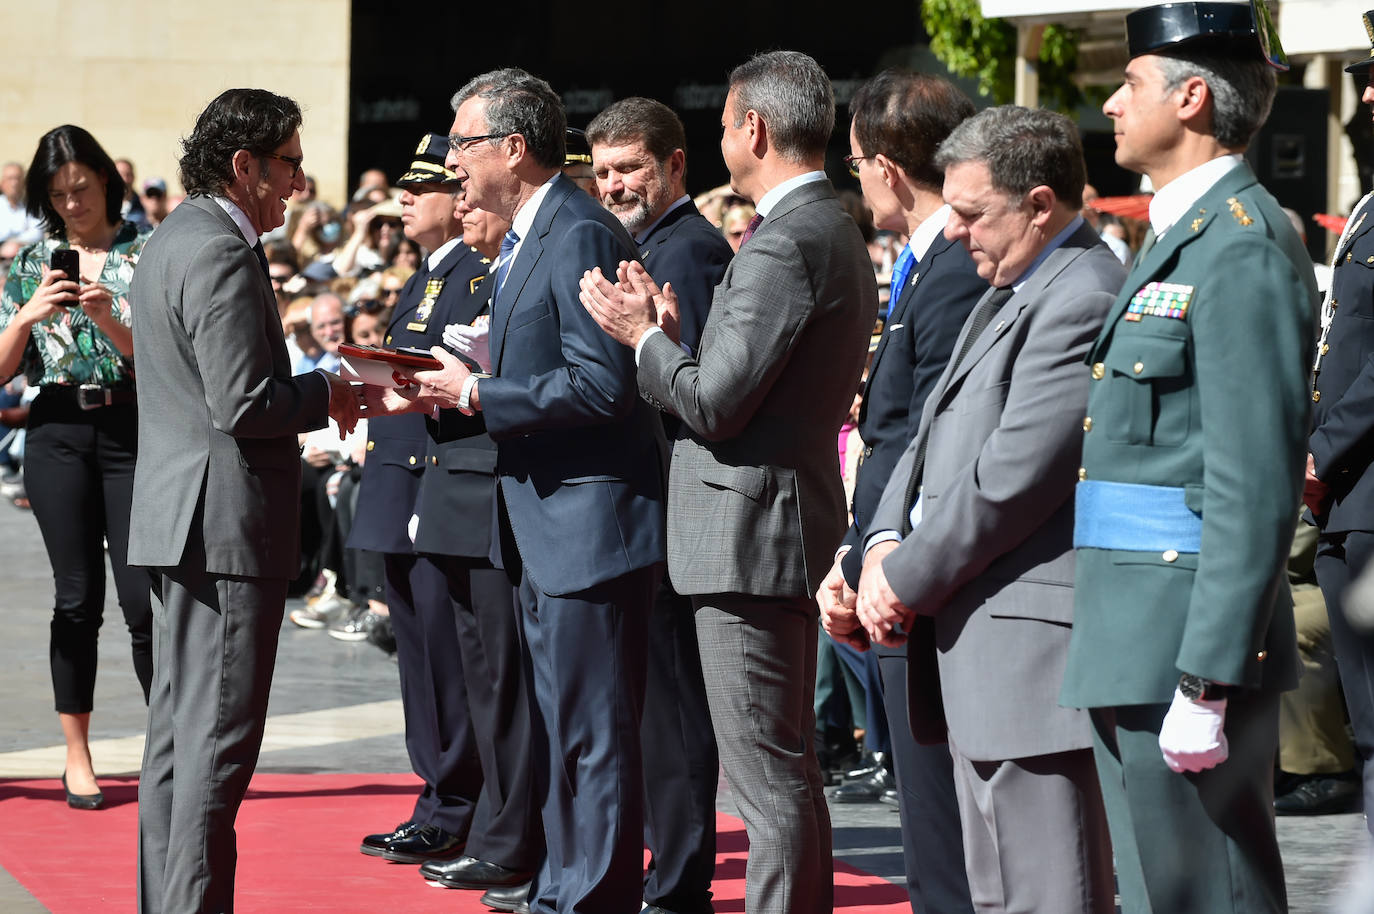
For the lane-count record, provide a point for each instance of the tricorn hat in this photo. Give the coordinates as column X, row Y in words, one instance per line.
column 1362, row 66
column 428, row 167
column 1237, row 28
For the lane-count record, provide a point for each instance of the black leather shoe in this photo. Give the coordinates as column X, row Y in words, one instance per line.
column 426, row 843
column 82, row 800
column 1320, row 796
column 865, row 790
column 471, row 873
column 513, row 899
column 871, row 762
column 374, row 845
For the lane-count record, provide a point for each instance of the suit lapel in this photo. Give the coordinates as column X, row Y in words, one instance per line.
column 531, row 249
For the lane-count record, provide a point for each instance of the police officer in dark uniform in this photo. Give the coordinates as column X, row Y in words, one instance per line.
column 1340, row 488
column 1193, row 446
column 439, row 737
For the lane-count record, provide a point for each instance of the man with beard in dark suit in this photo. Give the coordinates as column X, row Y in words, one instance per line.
column 640, row 160
column 439, row 736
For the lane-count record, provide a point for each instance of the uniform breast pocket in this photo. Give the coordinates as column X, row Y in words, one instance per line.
column 1150, row 395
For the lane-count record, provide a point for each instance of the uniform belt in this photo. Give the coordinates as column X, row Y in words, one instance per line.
column 1134, row 518
column 91, row 396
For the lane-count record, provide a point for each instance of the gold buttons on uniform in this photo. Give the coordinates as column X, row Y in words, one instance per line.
column 388, row 337
column 1170, row 555
column 1347, row 257
column 1138, row 367
column 371, row 445
column 1262, row 656
column 1316, row 396
column 1087, row 423
column 412, row 461
column 1099, row 371
column 1082, row 473
column 1326, row 347
column 434, row 461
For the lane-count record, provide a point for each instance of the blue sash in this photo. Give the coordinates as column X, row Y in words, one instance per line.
column 1134, row 518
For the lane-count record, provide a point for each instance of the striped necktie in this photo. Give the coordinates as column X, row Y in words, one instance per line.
column 503, row 260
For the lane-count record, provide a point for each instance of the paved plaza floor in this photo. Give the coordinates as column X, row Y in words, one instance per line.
column 335, row 708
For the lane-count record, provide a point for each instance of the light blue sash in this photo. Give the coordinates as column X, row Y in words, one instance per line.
column 1134, row 518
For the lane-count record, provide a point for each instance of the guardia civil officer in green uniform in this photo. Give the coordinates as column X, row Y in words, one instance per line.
column 1193, row 453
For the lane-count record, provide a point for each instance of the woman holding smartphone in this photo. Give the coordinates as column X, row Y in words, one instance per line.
column 65, row 323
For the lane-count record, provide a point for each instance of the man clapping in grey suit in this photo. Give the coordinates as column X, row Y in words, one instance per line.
column 755, row 506
column 975, row 526
column 216, row 507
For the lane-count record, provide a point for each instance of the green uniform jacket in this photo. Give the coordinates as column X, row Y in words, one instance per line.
column 1215, row 401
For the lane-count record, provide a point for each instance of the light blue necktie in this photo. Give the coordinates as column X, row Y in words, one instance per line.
column 503, row 260
column 900, row 271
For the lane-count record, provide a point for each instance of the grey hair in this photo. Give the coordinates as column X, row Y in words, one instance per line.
column 518, row 102
column 793, row 96
column 1242, row 90
column 1022, row 149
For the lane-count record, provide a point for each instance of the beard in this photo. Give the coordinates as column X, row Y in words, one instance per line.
column 633, row 210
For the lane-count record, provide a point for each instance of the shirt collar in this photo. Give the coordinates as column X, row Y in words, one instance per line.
column 642, row 235
column 240, row 218
column 770, row 199
column 1048, row 249
column 441, row 252
column 523, row 220
column 1178, row 196
column 926, row 233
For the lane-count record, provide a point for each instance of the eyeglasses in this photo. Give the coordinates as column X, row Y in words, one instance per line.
column 293, row 161
column 459, row 143
column 853, row 163
column 369, row 306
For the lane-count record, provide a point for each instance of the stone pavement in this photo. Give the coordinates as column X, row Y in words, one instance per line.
column 334, row 708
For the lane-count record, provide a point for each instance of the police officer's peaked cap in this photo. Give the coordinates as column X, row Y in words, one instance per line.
column 1362, row 66
column 428, row 167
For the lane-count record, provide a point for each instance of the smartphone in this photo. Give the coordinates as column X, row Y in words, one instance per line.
column 69, row 262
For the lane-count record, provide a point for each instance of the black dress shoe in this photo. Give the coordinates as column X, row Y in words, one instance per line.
column 374, row 845
column 512, row 899
column 871, row 762
column 428, row 842
column 82, row 800
column 471, row 873
column 865, row 790
column 1320, row 796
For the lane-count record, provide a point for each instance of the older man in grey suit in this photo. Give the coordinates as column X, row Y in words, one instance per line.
column 975, row 527
column 215, row 509
column 755, row 506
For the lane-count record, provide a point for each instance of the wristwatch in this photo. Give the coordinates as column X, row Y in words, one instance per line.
column 465, row 395
column 1195, row 688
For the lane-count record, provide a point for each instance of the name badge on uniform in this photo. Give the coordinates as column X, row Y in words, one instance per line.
column 1160, row 299
column 432, row 289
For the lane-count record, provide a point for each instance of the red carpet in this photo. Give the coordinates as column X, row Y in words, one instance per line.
column 298, row 851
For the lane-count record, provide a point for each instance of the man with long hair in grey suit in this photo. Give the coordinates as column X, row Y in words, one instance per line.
column 755, row 505
column 216, row 507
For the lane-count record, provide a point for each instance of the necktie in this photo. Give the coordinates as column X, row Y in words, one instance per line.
column 262, row 260
column 503, row 260
column 906, row 261
column 977, row 324
column 751, row 228
column 1145, row 246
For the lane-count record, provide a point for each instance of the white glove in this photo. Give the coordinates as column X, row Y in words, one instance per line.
column 1191, row 737
column 470, row 341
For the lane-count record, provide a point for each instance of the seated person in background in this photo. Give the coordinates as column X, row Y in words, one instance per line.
column 327, row 328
